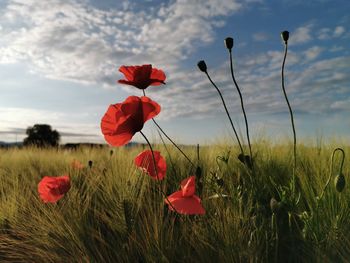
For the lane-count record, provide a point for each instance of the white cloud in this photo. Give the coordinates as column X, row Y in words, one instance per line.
column 338, row 31
column 301, row 34
column 74, row 41
column 313, row 52
column 324, row 33
column 260, row 36
column 341, row 105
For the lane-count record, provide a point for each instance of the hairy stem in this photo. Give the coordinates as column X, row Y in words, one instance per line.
column 331, row 169
column 242, row 105
column 291, row 118
column 177, row 147
column 228, row 114
column 156, row 170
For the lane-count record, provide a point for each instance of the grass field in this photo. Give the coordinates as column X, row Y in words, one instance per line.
column 114, row 213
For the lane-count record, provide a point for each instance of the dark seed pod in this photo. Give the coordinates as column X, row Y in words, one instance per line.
column 229, row 43
column 274, row 205
column 111, row 152
column 339, row 182
column 202, row 66
column 285, row 36
column 90, row 164
column 220, row 182
column 245, row 159
column 199, row 181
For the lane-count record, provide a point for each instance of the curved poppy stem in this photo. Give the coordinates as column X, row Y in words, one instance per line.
column 156, row 170
column 331, row 169
column 228, row 114
column 291, row 117
column 177, row 147
column 242, row 105
column 166, row 149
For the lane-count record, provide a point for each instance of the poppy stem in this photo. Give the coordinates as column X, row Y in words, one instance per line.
column 156, row 170
column 242, row 105
column 291, row 117
column 177, row 147
column 228, row 114
column 331, row 169
column 166, row 149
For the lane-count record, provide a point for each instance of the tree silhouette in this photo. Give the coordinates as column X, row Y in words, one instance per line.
column 41, row 135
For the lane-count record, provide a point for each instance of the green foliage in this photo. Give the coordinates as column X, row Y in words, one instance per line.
column 114, row 213
column 41, row 135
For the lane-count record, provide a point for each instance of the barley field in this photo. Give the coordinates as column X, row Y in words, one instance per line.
column 116, row 213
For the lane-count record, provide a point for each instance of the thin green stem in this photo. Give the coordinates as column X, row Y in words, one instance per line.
column 242, row 105
column 177, row 147
column 291, row 118
column 228, row 114
column 166, row 149
column 331, row 169
column 156, row 170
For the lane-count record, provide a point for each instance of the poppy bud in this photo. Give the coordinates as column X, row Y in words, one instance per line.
column 285, row 36
column 111, row 152
column 199, row 183
column 202, row 66
column 274, row 205
column 245, row 159
column 229, row 43
column 220, row 182
column 90, row 164
column 339, row 182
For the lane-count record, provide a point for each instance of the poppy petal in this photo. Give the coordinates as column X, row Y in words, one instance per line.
column 52, row 189
column 122, row 135
column 188, row 186
column 116, row 127
column 123, row 120
column 186, row 205
column 150, row 108
column 122, row 81
column 145, row 161
column 128, row 72
column 142, row 74
column 157, row 77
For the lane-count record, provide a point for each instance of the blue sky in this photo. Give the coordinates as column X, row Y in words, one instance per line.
column 59, row 63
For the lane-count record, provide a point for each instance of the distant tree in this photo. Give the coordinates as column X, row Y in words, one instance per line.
column 41, row 135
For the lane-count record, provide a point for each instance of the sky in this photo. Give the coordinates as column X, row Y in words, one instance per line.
column 59, row 62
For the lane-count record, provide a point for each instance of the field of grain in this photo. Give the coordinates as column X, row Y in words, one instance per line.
column 116, row 213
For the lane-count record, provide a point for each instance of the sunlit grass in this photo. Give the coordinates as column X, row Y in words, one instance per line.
column 114, row 213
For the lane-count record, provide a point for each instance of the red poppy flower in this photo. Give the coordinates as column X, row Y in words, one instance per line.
column 145, row 161
column 185, row 201
column 77, row 165
column 142, row 76
column 52, row 189
column 123, row 120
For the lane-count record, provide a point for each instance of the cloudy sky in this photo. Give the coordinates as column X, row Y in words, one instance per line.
column 59, row 63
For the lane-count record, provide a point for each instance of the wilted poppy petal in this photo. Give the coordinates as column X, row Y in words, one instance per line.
column 77, row 165
column 188, row 186
column 52, row 189
column 145, row 161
